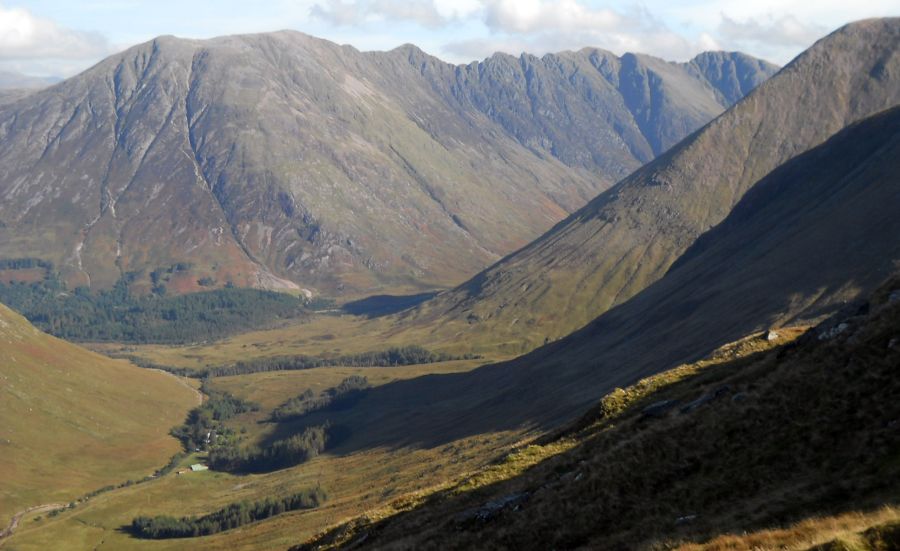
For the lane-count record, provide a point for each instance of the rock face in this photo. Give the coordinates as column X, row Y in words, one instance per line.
column 280, row 159
column 629, row 236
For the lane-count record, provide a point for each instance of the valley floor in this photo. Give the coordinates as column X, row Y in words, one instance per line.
column 356, row 479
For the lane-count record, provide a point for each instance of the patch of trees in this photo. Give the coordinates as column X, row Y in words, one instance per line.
column 280, row 454
column 203, row 429
column 344, row 395
column 232, row 516
column 118, row 315
column 25, row 264
column 392, row 357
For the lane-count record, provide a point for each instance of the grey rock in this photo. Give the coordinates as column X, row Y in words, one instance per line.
column 833, row 332
column 491, row 509
column 706, row 398
column 687, row 519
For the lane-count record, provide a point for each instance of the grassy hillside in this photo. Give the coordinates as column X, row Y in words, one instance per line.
column 755, row 438
column 72, row 421
column 355, row 478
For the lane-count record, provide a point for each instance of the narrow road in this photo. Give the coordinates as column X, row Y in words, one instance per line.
column 14, row 523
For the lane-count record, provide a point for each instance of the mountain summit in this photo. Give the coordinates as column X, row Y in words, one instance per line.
column 282, row 160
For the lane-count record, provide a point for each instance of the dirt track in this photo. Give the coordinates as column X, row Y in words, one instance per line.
column 14, row 523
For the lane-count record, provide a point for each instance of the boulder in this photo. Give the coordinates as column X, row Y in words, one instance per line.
column 491, row 509
column 706, row 398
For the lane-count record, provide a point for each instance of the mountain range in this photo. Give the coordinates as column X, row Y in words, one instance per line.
column 629, row 236
column 805, row 239
column 705, row 351
column 283, row 161
column 13, row 80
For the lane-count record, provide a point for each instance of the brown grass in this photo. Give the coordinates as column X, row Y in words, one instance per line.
column 74, row 421
column 844, row 528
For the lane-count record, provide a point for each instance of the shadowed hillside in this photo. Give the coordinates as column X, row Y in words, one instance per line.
column 278, row 160
column 748, row 440
column 835, row 240
column 629, row 236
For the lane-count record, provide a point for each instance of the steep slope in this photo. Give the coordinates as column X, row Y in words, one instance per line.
column 72, row 421
column 732, row 74
column 280, row 159
column 835, row 240
column 818, row 232
column 750, row 440
column 629, row 236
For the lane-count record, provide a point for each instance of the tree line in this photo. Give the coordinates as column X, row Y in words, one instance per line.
column 232, row 516
column 25, row 264
column 119, row 315
column 280, row 454
column 206, row 418
column 391, row 357
column 344, row 395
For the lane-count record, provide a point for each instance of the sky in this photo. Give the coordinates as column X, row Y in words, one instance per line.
column 62, row 38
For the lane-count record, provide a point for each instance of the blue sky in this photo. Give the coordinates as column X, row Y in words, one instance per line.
column 55, row 37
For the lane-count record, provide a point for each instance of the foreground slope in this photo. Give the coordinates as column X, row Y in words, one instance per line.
column 279, row 159
column 72, row 421
column 629, row 236
column 749, row 439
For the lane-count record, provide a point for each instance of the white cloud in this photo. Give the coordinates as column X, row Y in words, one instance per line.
column 457, row 9
column 671, row 29
column 338, row 12
column 529, row 16
column 354, row 13
column 24, row 36
column 777, row 38
column 541, row 26
column 786, row 30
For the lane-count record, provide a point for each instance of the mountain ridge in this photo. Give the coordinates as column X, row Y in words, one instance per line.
column 628, row 236
column 283, row 160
